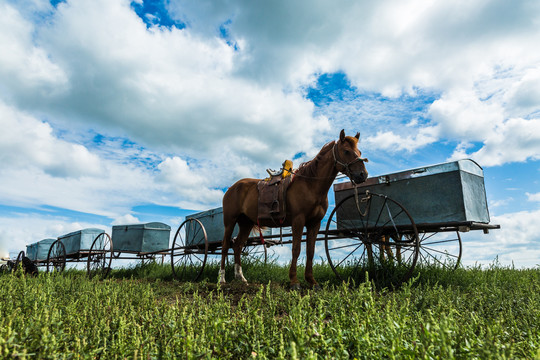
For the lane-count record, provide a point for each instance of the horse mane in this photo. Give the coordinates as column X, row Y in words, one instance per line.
column 309, row 168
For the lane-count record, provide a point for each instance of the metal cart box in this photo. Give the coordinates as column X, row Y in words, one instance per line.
column 40, row 250
column 80, row 240
column 212, row 220
column 452, row 192
column 141, row 238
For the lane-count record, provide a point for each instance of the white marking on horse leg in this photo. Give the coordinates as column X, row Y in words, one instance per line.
column 238, row 273
column 222, row 276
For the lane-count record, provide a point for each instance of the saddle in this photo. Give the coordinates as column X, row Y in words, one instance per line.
column 272, row 193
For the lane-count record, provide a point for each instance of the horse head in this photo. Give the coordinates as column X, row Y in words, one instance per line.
column 347, row 158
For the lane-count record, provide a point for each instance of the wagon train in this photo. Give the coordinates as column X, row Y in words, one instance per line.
column 387, row 222
column 94, row 247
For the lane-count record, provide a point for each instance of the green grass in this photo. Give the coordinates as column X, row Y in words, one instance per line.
column 474, row 313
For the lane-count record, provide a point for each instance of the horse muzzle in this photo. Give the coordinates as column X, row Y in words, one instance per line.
column 358, row 178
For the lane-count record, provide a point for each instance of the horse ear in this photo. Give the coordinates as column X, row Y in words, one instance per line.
column 357, row 135
column 342, row 135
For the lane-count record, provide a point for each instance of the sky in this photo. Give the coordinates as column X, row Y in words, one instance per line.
column 118, row 111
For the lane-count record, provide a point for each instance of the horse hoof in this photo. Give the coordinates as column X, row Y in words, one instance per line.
column 295, row 287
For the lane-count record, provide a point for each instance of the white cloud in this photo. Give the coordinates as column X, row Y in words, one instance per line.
column 39, row 168
column 394, row 143
column 165, row 87
column 524, row 95
column 533, row 197
column 516, row 242
column 125, row 220
column 23, row 65
column 189, row 187
column 27, row 142
column 514, row 140
column 461, row 115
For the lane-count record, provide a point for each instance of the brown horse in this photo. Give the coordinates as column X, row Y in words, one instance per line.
column 306, row 201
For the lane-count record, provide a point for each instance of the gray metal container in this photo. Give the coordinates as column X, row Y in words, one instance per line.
column 40, row 250
column 452, row 192
column 212, row 221
column 141, row 238
column 80, row 240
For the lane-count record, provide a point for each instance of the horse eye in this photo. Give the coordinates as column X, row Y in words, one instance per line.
column 347, row 152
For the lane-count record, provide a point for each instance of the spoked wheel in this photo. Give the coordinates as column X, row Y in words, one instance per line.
column 442, row 249
column 56, row 257
column 372, row 236
column 255, row 253
column 189, row 250
column 18, row 262
column 100, row 256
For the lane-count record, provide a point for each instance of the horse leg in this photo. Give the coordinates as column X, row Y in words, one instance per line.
column 311, row 238
column 238, row 246
column 229, row 228
column 297, row 228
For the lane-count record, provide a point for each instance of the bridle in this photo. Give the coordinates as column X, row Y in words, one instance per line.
column 346, row 166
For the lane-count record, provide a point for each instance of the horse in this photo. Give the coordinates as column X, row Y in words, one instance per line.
column 306, row 204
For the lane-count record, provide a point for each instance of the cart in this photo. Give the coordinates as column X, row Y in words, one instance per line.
column 95, row 246
column 383, row 227
column 405, row 218
column 200, row 237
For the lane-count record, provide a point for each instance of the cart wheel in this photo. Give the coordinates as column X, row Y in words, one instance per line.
column 257, row 254
column 56, row 258
column 18, row 262
column 189, row 250
column 100, row 256
column 374, row 236
column 441, row 249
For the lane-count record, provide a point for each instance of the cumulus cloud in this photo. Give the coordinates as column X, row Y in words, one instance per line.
column 24, row 65
column 27, row 142
column 533, row 197
column 125, row 220
column 513, row 140
column 190, row 188
column 461, row 115
column 516, row 242
column 524, row 94
column 200, row 90
column 393, row 143
column 162, row 86
column 40, row 168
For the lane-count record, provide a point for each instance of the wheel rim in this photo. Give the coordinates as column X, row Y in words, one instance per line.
column 56, row 258
column 19, row 260
column 189, row 251
column 441, row 249
column 375, row 236
column 100, row 256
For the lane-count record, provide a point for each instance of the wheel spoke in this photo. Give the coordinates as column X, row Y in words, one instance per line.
column 380, row 236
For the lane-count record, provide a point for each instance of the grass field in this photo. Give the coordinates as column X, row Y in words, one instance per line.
column 473, row 313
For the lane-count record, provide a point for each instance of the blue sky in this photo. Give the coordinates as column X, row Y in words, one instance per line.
column 124, row 111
